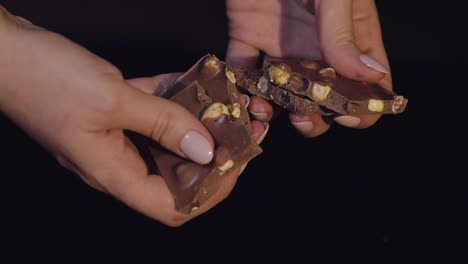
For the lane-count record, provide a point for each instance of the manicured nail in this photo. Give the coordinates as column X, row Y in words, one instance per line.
column 374, row 64
column 259, row 116
column 303, row 127
column 265, row 132
column 196, row 147
column 348, row 121
column 242, row 168
column 247, row 100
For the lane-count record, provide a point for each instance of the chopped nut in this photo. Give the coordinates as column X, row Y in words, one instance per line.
column 397, row 103
column 236, row 110
column 211, row 62
column 279, row 74
column 201, row 95
column 328, row 72
column 298, row 83
column 262, row 84
column 312, row 108
column 375, row 105
column 231, row 77
column 215, row 111
column 211, row 65
column 320, row 92
column 310, row 65
column 226, row 166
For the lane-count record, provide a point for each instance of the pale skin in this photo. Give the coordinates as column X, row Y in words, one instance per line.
column 77, row 105
column 339, row 32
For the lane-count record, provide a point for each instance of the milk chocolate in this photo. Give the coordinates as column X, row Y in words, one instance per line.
column 255, row 83
column 208, row 91
column 320, row 83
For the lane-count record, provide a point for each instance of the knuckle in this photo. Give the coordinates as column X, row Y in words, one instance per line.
column 107, row 98
column 161, row 125
column 112, row 71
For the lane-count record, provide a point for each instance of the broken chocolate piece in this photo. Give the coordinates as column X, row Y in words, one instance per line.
column 256, row 84
column 320, row 83
column 208, row 91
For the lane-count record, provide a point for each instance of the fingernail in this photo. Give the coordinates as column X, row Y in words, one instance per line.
column 304, row 127
column 348, row 121
column 247, row 100
column 196, row 147
column 259, row 116
column 265, row 132
column 374, row 64
column 242, row 168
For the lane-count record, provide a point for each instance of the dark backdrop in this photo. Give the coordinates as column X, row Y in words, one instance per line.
column 389, row 194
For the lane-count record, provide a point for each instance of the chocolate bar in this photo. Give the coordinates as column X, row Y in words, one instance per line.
column 256, row 84
column 320, row 83
column 208, row 91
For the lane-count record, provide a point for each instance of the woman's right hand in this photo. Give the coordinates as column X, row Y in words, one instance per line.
column 345, row 33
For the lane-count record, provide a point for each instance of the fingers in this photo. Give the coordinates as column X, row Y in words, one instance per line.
column 115, row 167
column 166, row 122
column 118, row 168
column 359, row 121
column 351, row 42
column 240, row 54
column 309, row 126
column 259, row 125
column 123, row 174
column 259, row 131
column 337, row 41
column 260, row 109
column 368, row 35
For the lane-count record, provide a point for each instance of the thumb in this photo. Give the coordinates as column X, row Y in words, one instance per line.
column 166, row 122
column 338, row 43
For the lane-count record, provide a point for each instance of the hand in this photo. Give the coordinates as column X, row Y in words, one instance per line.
column 77, row 105
column 346, row 33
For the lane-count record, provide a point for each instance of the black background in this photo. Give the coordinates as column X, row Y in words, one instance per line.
column 393, row 193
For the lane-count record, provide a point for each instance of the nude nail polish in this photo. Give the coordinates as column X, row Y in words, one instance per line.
column 196, row 147
column 247, row 100
column 304, row 127
column 348, row 121
column 265, row 132
column 373, row 63
column 259, row 116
